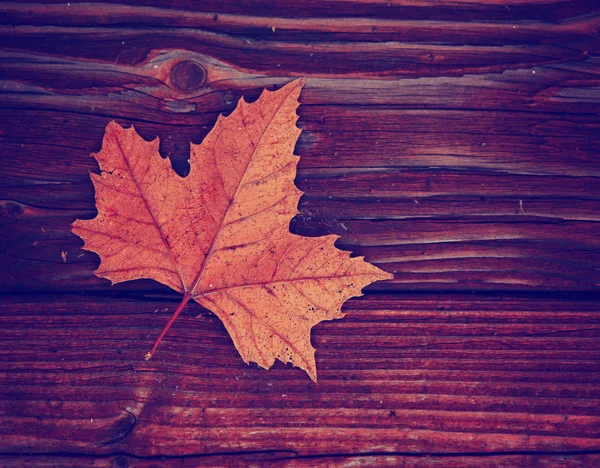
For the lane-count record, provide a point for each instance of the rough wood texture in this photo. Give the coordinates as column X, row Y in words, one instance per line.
column 454, row 144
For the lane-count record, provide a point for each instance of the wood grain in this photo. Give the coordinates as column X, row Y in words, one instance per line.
column 521, row 374
column 289, row 459
column 453, row 144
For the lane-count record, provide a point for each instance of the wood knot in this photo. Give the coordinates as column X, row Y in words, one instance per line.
column 120, row 461
column 10, row 209
column 121, row 428
column 188, row 75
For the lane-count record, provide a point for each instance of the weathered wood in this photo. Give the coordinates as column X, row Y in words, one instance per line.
column 289, row 459
column 391, row 59
column 302, row 15
column 439, row 252
column 422, row 374
column 452, row 143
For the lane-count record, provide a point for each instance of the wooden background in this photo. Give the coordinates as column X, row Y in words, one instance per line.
column 454, row 143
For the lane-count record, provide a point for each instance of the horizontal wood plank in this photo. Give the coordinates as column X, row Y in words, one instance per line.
column 520, row 374
column 289, row 459
column 547, row 11
column 517, row 252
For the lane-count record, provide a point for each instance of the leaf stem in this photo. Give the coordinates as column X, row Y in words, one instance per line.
column 185, row 300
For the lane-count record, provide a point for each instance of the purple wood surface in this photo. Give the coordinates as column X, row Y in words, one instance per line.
column 454, row 144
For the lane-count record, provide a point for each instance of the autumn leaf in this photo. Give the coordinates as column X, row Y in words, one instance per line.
column 220, row 236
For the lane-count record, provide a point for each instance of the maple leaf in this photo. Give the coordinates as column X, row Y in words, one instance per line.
column 220, row 236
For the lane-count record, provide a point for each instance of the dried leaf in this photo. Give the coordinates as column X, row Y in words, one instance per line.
column 220, row 236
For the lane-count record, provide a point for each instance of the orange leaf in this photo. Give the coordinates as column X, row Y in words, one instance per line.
column 220, row 236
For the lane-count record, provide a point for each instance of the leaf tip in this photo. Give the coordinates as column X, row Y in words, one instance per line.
column 294, row 87
column 298, row 82
column 383, row 275
column 112, row 125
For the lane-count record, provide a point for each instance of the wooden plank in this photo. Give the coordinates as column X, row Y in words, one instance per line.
column 423, row 374
column 547, row 11
column 444, row 252
column 461, row 29
column 566, row 88
column 338, row 138
column 289, row 459
column 387, row 59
